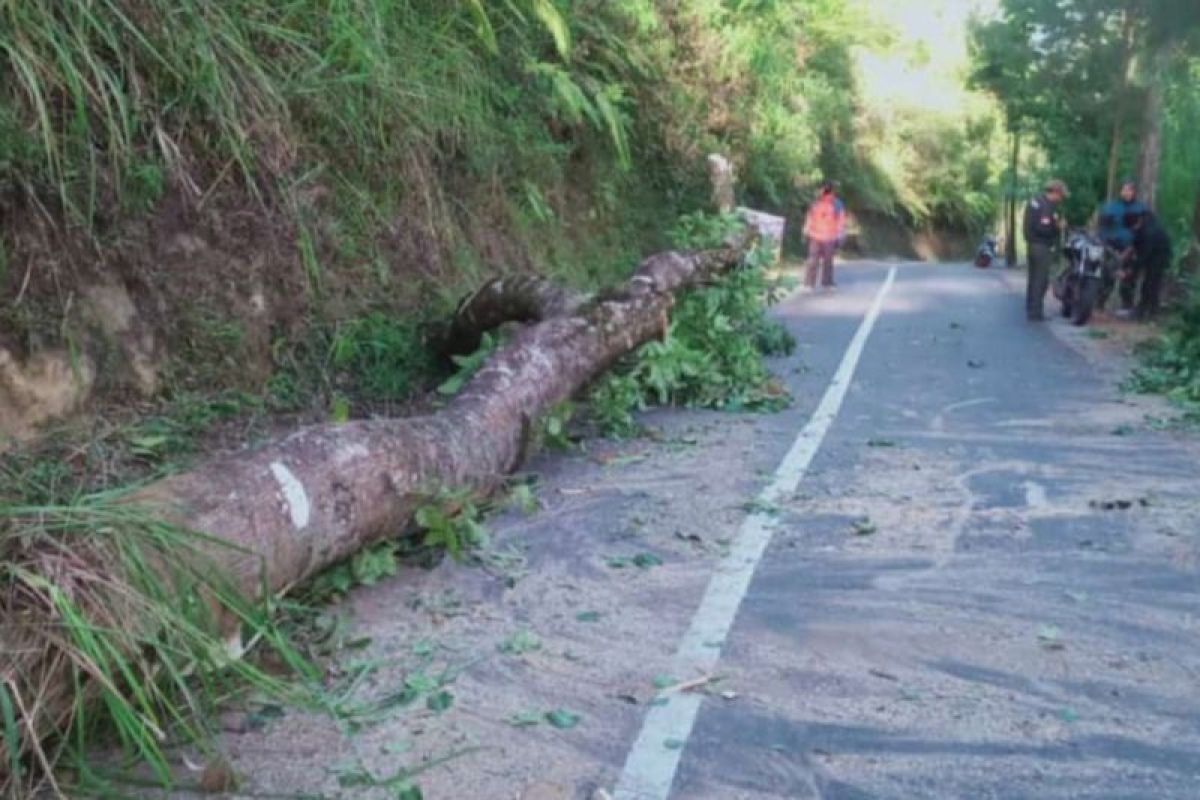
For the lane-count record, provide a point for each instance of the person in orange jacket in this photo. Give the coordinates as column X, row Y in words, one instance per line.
column 824, row 228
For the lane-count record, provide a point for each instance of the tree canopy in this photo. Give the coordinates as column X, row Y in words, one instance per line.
column 1098, row 86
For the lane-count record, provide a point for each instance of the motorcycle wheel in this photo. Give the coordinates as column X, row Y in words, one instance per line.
column 1089, row 293
column 1064, row 289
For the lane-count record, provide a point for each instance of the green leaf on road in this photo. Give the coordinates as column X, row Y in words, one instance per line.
column 525, row 719
column 664, row 681
column 864, row 527
column 646, row 561
column 587, row 616
column 562, row 719
column 440, row 702
column 520, row 643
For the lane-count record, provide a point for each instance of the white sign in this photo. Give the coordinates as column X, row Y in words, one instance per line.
column 769, row 227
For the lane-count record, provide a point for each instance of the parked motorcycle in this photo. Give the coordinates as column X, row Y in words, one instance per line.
column 1081, row 288
column 986, row 255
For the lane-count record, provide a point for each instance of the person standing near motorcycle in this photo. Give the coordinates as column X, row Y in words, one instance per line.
column 1118, row 235
column 1042, row 235
column 1152, row 257
column 824, row 227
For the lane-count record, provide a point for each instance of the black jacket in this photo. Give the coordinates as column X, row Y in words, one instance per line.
column 1041, row 224
column 1151, row 242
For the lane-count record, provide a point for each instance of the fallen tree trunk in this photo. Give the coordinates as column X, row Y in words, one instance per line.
column 285, row 511
column 324, row 492
column 524, row 298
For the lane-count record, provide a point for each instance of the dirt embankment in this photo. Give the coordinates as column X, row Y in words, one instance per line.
column 205, row 290
column 102, row 314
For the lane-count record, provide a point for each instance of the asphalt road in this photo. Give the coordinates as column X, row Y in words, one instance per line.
column 1018, row 618
column 985, row 586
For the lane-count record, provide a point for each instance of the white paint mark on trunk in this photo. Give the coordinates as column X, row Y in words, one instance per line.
column 650, row 767
column 293, row 494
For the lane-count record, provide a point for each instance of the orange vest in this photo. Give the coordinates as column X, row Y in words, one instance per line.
column 826, row 219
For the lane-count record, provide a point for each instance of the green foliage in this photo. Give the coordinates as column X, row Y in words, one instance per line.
column 1071, row 73
column 701, row 231
column 613, row 402
column 451, row 522
column 553, row 428
column 365, row 568
column 129, row 609
column 1171, row 365
column 1179, row 191
column 1079, row 78
column 384, row 357
column 712, row 355
column 468, row 365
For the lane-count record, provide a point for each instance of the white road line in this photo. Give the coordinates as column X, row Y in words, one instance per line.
column 650, row 768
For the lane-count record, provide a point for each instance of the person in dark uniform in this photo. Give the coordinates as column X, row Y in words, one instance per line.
column 1042, row 235
column 1152, row 258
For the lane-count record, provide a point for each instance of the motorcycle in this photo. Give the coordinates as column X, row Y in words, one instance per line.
column 986, row 254
column 1085, row 283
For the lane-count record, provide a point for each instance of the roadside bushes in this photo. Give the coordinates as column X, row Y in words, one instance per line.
column 1171, row 364
column 712, row 353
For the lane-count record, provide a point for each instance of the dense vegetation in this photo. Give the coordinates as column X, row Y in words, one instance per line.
column 294, row 194
column 384, row 154
column 1101, row 90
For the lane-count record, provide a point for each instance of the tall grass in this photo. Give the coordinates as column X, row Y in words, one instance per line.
column 104, row 85
column 112, row 621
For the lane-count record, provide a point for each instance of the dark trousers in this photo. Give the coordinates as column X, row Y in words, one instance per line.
column 1153, row 270
column 1127, row 287
column 1041, row 258
column 820, row 255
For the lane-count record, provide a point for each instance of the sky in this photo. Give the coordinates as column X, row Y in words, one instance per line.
column 936, row 29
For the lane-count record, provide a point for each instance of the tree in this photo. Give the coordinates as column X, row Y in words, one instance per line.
column 266, row 519
column 1071, row 71
column 1169, row 26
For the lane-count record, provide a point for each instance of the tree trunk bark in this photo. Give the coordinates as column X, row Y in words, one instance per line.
column 523, row 298
column 281, row 513
column 1114, row 156
column 324, row 492
column 1010, row 241
column 1150, row 159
